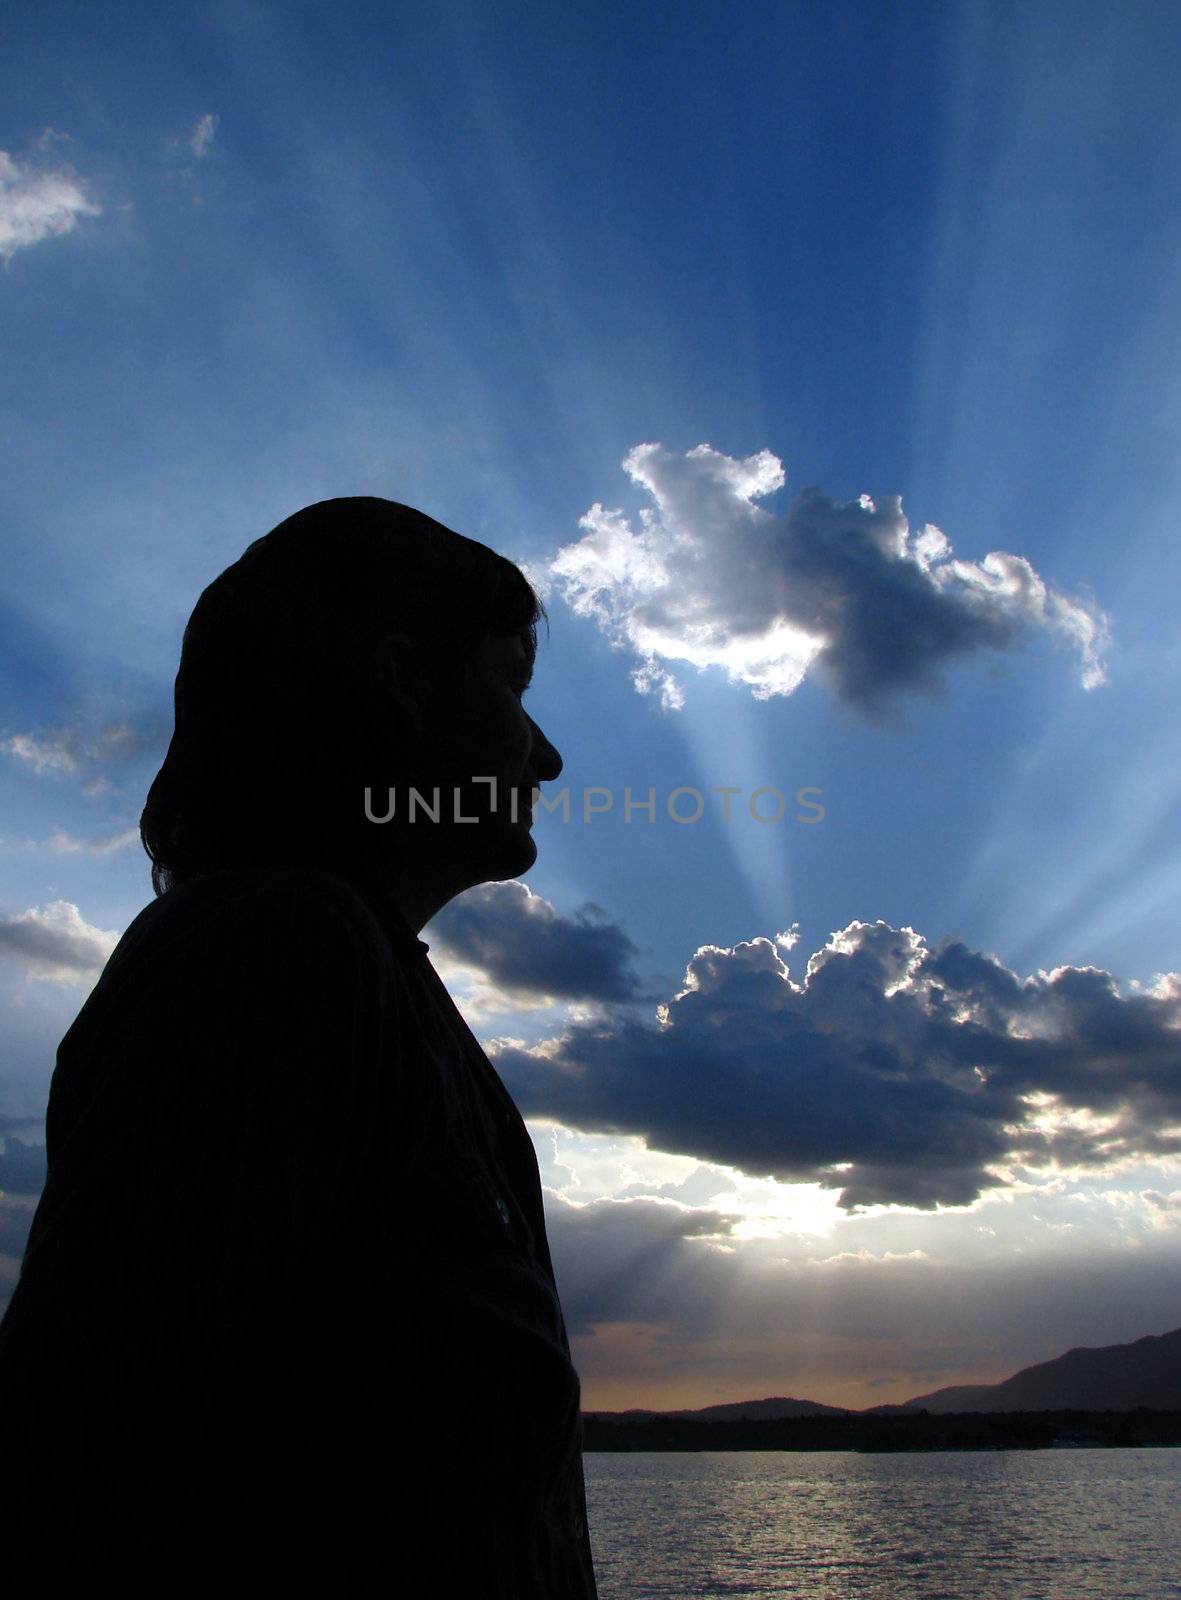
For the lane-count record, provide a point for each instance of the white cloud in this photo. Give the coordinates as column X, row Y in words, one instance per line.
column 203, row 135
column 54, row 943
column 37, row 202
column 710, row 578
column 1165, row 1209
column 53, row 752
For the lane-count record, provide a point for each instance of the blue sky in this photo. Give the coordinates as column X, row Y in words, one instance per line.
column 472, row 258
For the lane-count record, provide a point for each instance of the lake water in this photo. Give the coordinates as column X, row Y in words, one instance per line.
column 973, row 1525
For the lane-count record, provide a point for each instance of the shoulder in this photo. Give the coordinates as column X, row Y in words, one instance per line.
column 236, row 992
column 287, row 902
column 258, row 928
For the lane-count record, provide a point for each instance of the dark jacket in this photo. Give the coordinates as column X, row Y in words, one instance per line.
column 287, row 1299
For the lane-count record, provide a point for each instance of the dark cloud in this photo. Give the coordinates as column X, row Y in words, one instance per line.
column 524, row 945
column 894, row 1073
column 711, row 578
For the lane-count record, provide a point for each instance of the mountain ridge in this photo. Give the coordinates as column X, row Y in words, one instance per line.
column 1145, row 1372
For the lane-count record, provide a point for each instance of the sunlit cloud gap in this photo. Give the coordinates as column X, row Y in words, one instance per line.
column 728, row 751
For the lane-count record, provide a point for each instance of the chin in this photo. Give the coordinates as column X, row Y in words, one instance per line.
column 521, row 851
column 514, row 853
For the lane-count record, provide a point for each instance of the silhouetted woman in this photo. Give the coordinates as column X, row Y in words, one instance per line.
column 287, row 1307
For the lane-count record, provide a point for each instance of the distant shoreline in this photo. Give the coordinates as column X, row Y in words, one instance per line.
column 920, row 1431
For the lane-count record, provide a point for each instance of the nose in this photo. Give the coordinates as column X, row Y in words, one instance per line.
column 543, row 758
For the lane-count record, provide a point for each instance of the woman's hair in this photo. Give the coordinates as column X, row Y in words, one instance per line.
column 288, row 699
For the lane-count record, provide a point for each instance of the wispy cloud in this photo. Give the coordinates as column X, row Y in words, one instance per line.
column 77, row 747
column 39, row 200
column 203, row 134
column 54, row 943
column 712, row 579
column 894, row 1072
column 63, row 843
column 50, row 752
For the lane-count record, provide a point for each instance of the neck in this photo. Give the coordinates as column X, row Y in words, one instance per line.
column 416, row 887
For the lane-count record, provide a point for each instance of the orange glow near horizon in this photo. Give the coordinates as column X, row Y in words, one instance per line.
column 641, row 1366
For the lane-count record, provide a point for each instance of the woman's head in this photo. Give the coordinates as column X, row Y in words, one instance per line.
column 298, row 677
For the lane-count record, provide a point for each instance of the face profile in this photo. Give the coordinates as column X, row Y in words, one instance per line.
column 482, row 759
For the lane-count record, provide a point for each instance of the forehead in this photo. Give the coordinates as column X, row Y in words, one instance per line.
column 504, row 654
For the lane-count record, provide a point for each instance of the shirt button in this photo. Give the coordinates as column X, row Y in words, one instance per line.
column 503, row 1210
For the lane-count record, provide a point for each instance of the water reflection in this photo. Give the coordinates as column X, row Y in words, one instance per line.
column 978, row 1525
